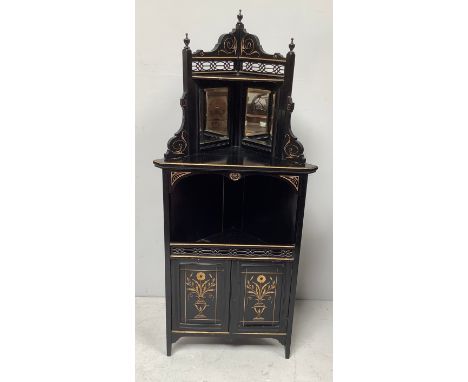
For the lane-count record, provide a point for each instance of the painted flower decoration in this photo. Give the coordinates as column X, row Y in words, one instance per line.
column 200, row 276
column 261, row 279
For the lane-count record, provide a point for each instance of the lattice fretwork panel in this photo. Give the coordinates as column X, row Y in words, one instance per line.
column 212, row 66
column 283, row 253
column 261, row 67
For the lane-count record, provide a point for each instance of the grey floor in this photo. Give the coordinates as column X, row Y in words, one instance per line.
column 218, row 360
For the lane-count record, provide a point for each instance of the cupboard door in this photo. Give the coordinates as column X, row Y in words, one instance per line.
column 200, row 295
column 260, row 296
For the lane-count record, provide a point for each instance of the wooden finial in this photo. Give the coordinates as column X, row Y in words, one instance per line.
column 186, row 41
column 239, row 24
column 291, row 45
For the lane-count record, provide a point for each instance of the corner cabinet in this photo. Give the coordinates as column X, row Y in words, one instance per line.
column 234, row 188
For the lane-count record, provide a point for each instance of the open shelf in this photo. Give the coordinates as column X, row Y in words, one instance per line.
column 211, row 208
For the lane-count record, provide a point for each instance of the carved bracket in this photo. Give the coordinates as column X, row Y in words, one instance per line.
column 177, row 145
column 290, row 105
column 292, row 148
column 176, row 175
column 293, row 179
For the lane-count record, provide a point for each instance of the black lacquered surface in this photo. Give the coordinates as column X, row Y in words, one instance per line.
column 235, row 158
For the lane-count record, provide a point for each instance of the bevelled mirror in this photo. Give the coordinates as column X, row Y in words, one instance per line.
column 259, row 115
column 214, row 126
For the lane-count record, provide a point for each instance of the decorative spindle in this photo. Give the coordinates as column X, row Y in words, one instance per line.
column 291, row 45
column 240, row 16
column 186, row 41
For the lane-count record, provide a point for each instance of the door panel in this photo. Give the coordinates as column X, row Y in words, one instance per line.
column 200, row 295
column 260, row 296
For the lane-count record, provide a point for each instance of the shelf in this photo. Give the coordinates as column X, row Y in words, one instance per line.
column 235, row 158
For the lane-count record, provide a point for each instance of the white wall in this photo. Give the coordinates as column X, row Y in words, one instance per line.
column 160, row 29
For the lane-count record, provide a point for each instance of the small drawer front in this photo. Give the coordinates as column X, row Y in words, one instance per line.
column 200, row 295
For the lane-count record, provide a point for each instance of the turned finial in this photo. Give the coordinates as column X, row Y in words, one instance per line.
column 240, row 16
column 291, row 45
column 186, row 41
column 239, row 24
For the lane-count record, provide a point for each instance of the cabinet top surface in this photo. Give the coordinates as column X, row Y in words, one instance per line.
column 234, row 159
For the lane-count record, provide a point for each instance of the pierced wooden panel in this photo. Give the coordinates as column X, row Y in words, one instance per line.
column 181, row 250
column 212, row 66
column 262, row 67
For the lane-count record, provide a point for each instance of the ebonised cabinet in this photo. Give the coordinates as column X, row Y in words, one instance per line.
column 234, row 187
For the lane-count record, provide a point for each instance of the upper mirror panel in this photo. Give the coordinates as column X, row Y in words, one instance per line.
column 259, row 116
column 215, row 121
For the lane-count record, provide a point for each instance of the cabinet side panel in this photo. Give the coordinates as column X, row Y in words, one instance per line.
column 299, row 223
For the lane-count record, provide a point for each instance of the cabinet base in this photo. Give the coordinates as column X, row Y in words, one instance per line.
column 280, row 337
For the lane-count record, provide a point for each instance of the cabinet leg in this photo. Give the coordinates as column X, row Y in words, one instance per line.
column 287, row 348
column 169, row 346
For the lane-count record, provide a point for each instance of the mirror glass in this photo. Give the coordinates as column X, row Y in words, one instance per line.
column 215, row 126
column 259, row 115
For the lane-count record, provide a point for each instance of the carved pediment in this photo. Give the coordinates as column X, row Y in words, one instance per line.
column 238, row 44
